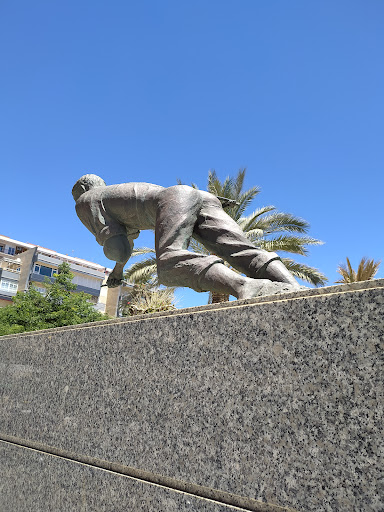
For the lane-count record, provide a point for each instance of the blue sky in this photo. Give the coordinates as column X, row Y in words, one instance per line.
column 155, row 91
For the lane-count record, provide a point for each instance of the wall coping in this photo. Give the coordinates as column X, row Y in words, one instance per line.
column 307, row 293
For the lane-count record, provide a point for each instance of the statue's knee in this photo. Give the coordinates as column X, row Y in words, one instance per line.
column 164, row 266
column 165, row 276
column 272, row 256
column 264, row 257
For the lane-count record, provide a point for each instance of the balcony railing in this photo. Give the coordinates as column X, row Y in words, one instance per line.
column 8, row 269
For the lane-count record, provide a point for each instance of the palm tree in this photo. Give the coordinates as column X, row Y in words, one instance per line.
column 265, row 227
column 366, row 271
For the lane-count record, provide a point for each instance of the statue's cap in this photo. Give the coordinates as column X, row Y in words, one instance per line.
column 85, row 183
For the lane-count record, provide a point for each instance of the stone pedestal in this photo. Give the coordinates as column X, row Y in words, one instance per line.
column 264, row 405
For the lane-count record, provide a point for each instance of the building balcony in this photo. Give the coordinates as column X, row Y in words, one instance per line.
column 10, row 263
column 38, row 278
column 9, row 273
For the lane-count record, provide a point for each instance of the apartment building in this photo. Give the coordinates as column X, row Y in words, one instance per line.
column 23, row 264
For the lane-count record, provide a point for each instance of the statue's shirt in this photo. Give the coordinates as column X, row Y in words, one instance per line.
column 119, row 209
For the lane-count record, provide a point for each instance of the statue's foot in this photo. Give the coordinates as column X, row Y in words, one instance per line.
column 261, row 287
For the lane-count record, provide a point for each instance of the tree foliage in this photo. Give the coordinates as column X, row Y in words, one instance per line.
column 32, row 311
column 366, row 271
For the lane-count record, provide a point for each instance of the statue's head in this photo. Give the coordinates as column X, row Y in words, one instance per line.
column 85, row 183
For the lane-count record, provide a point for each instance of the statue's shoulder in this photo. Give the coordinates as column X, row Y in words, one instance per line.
column 130, row 190
column 138, row 184
column 90, row 196
column 135, row 188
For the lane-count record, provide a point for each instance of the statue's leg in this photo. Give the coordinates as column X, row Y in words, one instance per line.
column 177, row 214
column 180, row 213
column 221, row 235
column 221, row 279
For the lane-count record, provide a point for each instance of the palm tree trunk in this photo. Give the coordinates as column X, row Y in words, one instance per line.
column 218, row 297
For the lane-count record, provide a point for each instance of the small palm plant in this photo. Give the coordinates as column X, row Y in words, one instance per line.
column 366, row 271
column 145, row 295
column 143, row 299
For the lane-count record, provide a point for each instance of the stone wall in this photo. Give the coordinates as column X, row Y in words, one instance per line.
column 264, row 405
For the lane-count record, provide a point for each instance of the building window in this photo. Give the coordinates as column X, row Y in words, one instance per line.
column 8, row 285
column 1, row 248
column 44, row 271
column 11, row 250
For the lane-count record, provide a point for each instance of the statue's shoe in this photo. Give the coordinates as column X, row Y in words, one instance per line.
column 263, row 287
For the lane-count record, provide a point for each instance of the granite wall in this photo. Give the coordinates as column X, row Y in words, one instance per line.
column 262, row 405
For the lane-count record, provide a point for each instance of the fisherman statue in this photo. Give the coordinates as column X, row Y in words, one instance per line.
column 115, row 214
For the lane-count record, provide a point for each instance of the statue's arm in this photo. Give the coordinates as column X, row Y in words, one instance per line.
column 117, row 248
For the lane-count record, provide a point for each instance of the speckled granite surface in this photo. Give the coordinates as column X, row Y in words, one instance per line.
column 36, row 482
column 277, row 399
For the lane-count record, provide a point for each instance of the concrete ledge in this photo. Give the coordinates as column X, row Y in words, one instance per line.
column 277, row 399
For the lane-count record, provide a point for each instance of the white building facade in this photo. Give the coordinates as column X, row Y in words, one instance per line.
column 23, row 264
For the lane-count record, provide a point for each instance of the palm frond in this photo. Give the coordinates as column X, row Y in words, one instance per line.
column 250, row 221
column 309, row 274
column 279, row 221
column 350, row 270
column 287, row 243
column 345, row 276
column 366, row 271
column 244, row 201
column 231, row 188
column 227, row 187
column 198, row 247
column 362, row 270
column 193, row 185
column 348, row 275
column 140, row 251
column 239, row 182
column 142, row 272
column 217, row 188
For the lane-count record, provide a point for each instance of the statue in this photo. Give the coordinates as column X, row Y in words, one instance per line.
column 115, row 214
